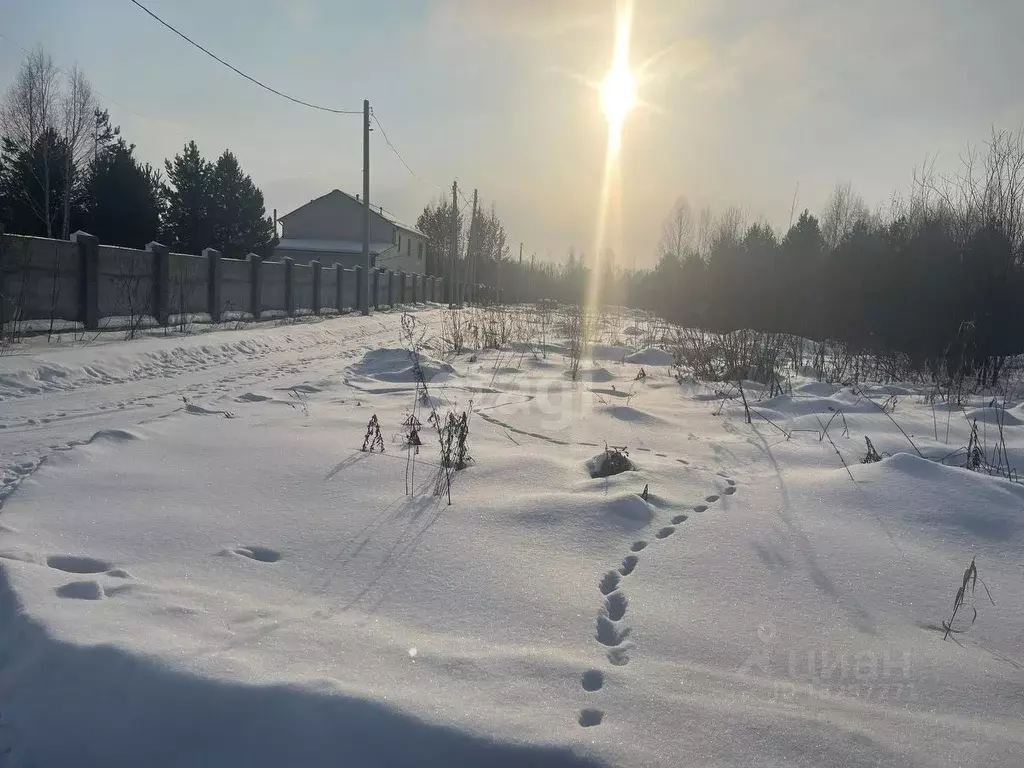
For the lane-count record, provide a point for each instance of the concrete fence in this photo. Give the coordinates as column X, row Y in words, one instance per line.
column 83, row 281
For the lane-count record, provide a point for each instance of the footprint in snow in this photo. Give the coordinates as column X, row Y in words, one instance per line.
column 590, row 717
column 679, row 519
column 593, row 680
column 77, row 564
column 610, row 582
column 637, row 546
column 629, row 563
column 711, row 499
column 260, row 554
column 615, row 606
column 700, row 508
column 730, row 490
column 665, row 532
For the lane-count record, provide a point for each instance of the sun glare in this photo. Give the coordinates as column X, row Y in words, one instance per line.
column 618, row 95
column 618, row 90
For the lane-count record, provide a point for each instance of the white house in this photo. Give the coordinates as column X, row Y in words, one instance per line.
column 330, row 230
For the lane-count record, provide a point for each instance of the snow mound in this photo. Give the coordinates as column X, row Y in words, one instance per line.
column 816, row 389
column 114, row 436
column 396, row 366
column 651, row 356
column 630, row 414
column 949, row 500
column 995, row 416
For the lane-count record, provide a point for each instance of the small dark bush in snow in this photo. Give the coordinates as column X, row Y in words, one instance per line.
column 614, row 461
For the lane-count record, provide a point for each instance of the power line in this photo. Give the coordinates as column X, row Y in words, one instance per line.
column 398, row 154
column 234, row 69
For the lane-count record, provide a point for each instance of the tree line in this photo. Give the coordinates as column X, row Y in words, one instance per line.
column 65, row 167
column 937, row 277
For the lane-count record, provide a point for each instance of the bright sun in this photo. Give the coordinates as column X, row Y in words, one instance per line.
column 618, row 94
column 618, row 91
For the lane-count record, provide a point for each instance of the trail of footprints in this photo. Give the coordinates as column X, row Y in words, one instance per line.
column 611, row 632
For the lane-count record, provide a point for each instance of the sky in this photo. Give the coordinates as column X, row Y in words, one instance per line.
column 745, row 103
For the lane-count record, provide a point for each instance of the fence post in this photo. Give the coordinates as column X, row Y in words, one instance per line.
column 289, row 296
column 316, row 286
column 255, row 284
column 212, row 256
column 415, row 286
column 375, row 282
column 338, row 285
column 89, row 279
column 391, row 288
column 161, row 282
column 360, row 287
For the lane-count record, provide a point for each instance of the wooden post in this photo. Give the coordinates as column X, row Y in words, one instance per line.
column 289, row 294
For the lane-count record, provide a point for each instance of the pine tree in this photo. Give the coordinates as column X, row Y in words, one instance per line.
column 124, row 197
column 239, row 218
column 188, row 196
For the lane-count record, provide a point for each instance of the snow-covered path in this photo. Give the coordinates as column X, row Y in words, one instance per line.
column 53, row 397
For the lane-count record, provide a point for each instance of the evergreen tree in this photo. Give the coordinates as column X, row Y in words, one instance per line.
column 189, row 201
column 239, row 219
column 123, row 197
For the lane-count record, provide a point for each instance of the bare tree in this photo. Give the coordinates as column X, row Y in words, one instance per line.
column 27, row 116
column 677, row 230
column 77, row 108
column 842, row 211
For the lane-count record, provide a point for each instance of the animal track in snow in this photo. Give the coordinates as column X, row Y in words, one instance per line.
column 590, row 717
column 638, row 546
column 615, row 606
column 665, row 532
column 608, row 633
column 700, row 508
column 610, row 582
column 678, row 519
column 711, row 499
column 628, row 564
column 619, row 657
column 593, row 680
column 81, row 590
column 730, row 490
column 77, row 564
column 260, row 554
column 730, row 481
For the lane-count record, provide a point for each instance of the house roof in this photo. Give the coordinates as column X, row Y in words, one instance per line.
column 330, row 246
column 375, row 210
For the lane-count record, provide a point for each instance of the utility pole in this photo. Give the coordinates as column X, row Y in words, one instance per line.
column 453, row 252
column 519, row 278
column 471, row 253
column 364, row 304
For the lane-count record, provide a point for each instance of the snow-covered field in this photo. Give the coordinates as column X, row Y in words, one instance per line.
column 198, row 566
